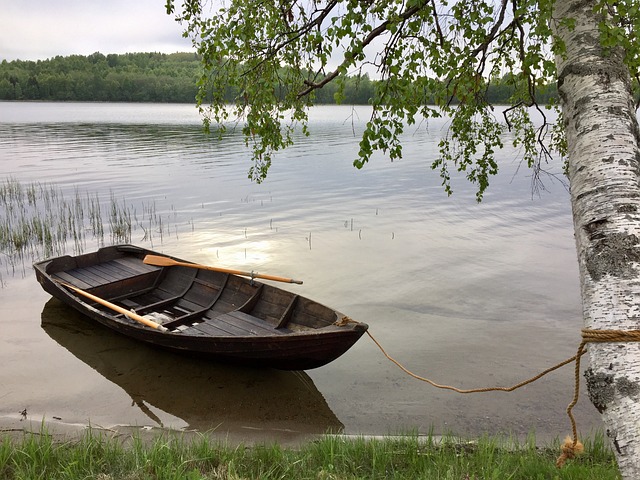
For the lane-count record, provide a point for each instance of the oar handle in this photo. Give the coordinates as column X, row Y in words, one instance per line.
column 161, row 261
column 116, row 308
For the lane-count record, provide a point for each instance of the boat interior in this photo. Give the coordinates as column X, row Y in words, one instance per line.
column 195, row 301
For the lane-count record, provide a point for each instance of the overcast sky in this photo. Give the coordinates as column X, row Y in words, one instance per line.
column 41, row 29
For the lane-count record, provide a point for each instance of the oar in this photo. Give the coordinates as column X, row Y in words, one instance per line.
column 169, row 262
column 124, row 311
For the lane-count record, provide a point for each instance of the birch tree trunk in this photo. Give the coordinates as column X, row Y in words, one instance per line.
column 604, row 171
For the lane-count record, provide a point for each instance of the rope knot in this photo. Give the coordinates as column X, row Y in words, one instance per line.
column 570, row 450
column 344, row 321
column 573, row 447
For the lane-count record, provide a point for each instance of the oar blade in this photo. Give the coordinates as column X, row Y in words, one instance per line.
column 159, row 261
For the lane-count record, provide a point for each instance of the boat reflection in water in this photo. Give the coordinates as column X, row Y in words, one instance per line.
column 207, row 396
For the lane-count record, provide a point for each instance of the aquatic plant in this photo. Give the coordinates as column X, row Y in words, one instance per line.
column 119, row 221
column 37, row 220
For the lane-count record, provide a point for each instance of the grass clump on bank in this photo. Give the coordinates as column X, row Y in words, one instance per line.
column 331, row 458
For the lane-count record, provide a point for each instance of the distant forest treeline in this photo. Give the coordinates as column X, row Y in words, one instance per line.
column 155, row 77
column 131, row 77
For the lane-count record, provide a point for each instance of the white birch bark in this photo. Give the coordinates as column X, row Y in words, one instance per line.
column 604, row 171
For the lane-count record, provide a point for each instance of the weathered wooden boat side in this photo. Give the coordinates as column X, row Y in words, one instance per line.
column 207, row 313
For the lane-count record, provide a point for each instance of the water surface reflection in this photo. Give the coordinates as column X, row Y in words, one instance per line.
column 471, row 294
column 196, row 395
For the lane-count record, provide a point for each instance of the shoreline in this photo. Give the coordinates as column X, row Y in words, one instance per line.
column 61, row 432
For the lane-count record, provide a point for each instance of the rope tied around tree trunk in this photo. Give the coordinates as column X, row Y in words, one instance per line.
column 571, row 446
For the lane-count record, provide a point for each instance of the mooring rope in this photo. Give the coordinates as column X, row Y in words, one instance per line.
column 571, row 446
column 471, row 390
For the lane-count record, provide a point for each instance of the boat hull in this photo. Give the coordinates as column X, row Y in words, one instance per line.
column 208, row 314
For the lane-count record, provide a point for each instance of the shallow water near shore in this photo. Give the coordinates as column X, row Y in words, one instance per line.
column 467, row 294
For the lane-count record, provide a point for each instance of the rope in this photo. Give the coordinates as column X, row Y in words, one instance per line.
column 472, row 390
column 571, row 446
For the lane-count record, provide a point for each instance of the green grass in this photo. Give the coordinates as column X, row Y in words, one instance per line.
column 332, row 458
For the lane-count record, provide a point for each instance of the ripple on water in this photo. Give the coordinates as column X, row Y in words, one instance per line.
column 384, row 244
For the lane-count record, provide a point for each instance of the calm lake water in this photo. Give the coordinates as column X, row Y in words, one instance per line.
column 467, row 294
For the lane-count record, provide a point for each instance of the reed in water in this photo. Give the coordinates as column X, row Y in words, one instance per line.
column 37, row 220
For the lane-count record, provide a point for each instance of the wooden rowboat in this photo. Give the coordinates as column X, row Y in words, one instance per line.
column 199, row 310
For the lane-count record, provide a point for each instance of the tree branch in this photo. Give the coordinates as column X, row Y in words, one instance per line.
column 495, row 32
column 376, row 32
column 297, row 34
column 436, row 21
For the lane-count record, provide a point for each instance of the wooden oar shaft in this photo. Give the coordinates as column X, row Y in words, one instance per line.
column 116, row 308
column 161, row 261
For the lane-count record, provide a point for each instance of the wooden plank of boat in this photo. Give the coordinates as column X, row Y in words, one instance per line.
column 208, row 313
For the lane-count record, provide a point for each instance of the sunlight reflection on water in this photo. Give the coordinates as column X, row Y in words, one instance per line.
column 472, row 293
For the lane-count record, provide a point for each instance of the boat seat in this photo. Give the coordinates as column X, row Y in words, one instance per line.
column 104, row 274
column 236, row 324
